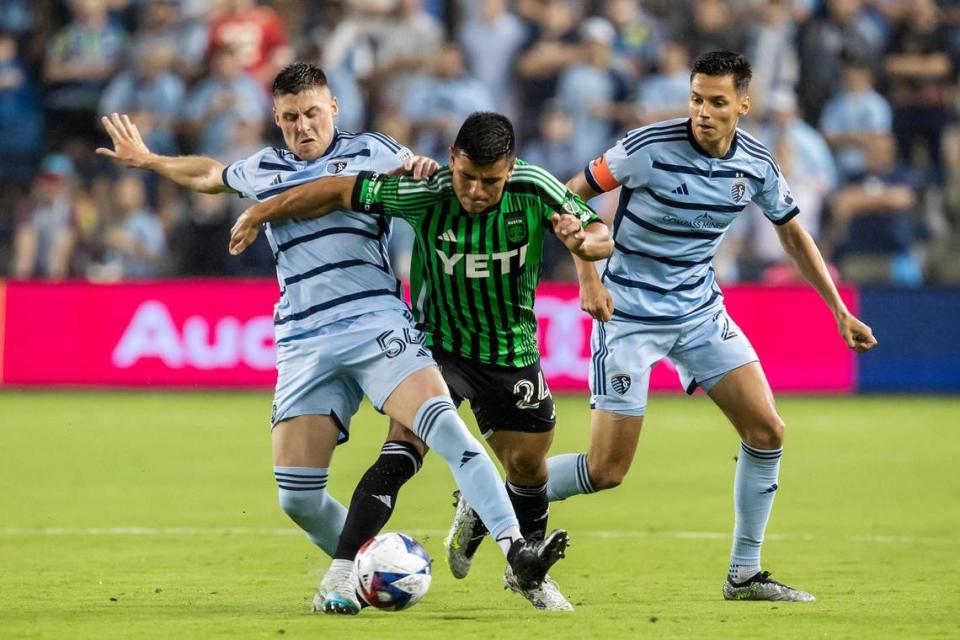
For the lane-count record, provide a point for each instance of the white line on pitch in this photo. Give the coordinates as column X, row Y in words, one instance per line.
column 11, row 532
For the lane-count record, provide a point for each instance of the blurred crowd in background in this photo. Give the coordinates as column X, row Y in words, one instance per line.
column 856, row 98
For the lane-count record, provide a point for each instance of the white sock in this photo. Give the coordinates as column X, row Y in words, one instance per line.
column 754, row 488
column 303, row 497
column 438, row 424
column 568, row 476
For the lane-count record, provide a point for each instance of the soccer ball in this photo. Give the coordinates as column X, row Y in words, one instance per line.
column 393, row 571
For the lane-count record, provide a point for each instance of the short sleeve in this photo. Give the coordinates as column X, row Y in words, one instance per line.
column 399, row 196
column 554, row 195
column 386, row 153
column 775, row 200
column 241, row 176
column 617, row 166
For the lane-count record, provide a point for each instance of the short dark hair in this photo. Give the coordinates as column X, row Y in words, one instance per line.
column 721, row 63
column 298, row 77
column 485, row 137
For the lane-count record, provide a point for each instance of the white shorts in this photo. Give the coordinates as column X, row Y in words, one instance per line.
column 624, row 352
column 328, row 371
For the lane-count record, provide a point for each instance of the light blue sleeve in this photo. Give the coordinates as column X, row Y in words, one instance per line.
column 386, row 154
column 775, row 200
column 245, row 176
column 632, row 170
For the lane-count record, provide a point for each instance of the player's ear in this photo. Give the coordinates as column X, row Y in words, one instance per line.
column 453, row 156
column 276, row 116
column 334, row 107
column 744, row 107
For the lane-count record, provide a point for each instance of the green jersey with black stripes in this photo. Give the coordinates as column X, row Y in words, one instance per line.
column 474, row 276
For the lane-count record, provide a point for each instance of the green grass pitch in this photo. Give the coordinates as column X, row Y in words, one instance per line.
column 154, row 515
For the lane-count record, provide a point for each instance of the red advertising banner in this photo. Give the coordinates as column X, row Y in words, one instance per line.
column 219, row 333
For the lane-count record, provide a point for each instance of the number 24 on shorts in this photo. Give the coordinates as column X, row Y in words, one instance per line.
column 525, row 390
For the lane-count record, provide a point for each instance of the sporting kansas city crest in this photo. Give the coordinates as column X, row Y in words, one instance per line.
column 516, row 224
column 738, row 190
column 620, row 383
column 336, row 166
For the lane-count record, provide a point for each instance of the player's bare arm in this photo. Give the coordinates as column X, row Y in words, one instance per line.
column 594, row 297
column 806, row 256
column 198, row 173
column 312, row 200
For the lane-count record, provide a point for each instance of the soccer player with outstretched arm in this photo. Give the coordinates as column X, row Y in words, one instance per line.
column 683, row 182
column 480, row 226
column 342, row 327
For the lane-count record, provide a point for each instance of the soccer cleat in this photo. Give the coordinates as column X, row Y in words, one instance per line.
column 761, row 587
column 531, row 559
column 546, row 597
column 337, row 593
column 466, row 534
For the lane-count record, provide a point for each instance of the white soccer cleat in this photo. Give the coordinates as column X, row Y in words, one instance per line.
column 761, row 587
column 466, row 534
column 338, row 592
column 546, row 597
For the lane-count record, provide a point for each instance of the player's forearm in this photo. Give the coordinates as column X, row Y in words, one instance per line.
column 312, row 200
column 586, row 272
column 809, row 261
column 198, row 173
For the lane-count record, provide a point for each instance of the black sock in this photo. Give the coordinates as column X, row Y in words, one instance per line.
column 376, row 496
column 532, row 507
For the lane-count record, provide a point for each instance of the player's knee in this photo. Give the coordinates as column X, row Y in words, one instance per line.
column 768, row 434
column 524, row 467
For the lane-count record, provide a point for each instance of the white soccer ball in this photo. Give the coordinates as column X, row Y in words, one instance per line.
column 393, row 571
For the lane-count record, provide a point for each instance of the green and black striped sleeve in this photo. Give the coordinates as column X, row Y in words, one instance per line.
column 554, row 195
column 399, row 196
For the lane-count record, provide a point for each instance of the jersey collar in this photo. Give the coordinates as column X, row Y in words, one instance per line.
column 702, row 151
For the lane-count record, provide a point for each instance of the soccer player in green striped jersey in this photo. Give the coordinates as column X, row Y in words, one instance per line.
column 480, row 225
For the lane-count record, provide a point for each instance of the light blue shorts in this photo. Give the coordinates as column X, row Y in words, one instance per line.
column 328, row 371
column 624, row 353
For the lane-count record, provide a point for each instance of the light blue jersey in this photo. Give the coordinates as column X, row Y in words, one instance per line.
column 332, row 267
column 676, row 204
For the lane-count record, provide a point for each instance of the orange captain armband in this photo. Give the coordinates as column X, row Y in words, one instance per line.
column 599, row 176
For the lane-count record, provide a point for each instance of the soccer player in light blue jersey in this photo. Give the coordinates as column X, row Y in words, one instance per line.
column 342, row 328
column 683, row 182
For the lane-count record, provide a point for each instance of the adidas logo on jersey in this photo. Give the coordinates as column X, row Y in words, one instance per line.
column 448, row 235
column 276, row 180
column 682, row 189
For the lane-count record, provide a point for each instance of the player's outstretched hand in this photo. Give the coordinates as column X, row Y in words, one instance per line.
column 242, row 234
column 856, row 334
column 417, row 167
column 596, row 300
column 129, row 149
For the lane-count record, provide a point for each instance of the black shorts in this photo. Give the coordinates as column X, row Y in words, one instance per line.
column 502, row 398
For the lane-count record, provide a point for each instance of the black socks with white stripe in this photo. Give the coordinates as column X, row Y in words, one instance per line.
column 376, row 496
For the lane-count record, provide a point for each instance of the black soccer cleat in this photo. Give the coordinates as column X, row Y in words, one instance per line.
column 531, row 559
